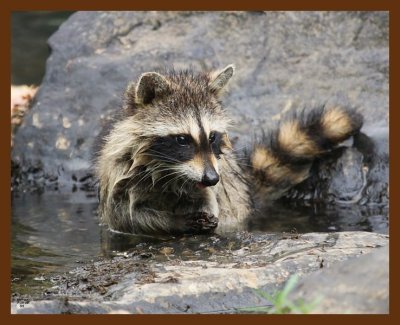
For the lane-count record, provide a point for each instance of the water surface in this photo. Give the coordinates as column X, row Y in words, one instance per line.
column 54, row 232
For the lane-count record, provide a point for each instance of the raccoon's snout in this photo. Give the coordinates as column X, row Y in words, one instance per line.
column 210, row 177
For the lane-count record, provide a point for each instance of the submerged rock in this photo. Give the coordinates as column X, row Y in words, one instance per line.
column 284, row 60
column 215, row 278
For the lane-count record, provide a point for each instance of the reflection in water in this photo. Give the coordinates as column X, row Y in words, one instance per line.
column 286, row 217
column 64, row 225
column 51, row 233
column 112, row 242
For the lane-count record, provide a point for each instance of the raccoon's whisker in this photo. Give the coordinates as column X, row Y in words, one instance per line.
column 160, row 155
column 152, row 167
column 147, row 173
column 142, row 179
column 170, row 174
column 163, row 173
column 165, row 169
column 165, row 186
column 166, row 158
column 141, row 173
column 159, row 168
column 181, row 188
column 161, row 158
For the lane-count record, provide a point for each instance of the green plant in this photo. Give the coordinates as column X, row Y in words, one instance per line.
column 281, row 304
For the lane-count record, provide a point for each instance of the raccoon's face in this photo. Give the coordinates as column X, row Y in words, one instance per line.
column 192, row 155
column 184, row 125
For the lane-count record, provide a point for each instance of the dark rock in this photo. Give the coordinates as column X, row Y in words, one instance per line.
column 284, row 60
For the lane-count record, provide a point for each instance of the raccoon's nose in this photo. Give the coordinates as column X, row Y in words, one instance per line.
column 210, row 177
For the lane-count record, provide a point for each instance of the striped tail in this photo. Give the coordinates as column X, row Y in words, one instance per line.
column 283, row 158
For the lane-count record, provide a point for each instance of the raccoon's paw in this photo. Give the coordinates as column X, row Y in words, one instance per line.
column 201, row 222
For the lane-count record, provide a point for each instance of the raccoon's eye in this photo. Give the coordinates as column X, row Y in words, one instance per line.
column 183, row 140
column 212, row 137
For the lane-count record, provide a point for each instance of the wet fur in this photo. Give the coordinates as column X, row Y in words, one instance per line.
column 149, row 184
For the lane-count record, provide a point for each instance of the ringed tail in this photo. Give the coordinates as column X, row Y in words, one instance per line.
column 283, row 158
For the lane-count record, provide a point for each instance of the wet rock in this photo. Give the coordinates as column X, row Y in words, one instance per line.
column 348, row 288
column 284, row 60
column 224, row 282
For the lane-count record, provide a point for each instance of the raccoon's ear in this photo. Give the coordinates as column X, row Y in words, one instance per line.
column 151, row 85
column 219, row 79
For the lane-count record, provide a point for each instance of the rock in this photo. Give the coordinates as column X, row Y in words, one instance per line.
column 224, row 282
column 357, row 286
column 284, row 60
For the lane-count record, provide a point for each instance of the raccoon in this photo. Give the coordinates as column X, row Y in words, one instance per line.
column 167, row 166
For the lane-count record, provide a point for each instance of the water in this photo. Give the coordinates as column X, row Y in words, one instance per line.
column 51, row 233
column 55, row 232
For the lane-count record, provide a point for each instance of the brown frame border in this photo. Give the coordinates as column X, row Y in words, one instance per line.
column 8, row 6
